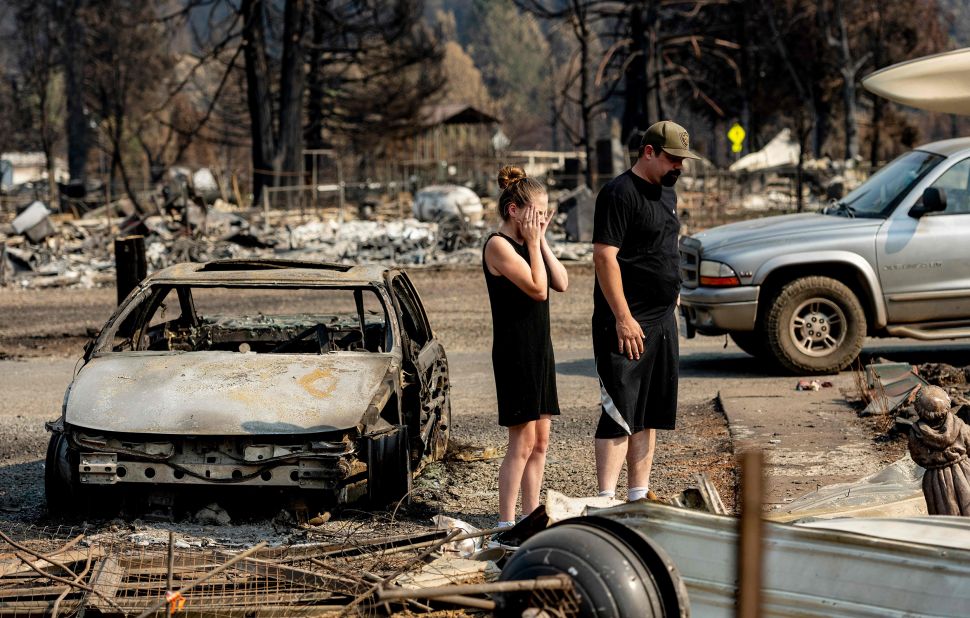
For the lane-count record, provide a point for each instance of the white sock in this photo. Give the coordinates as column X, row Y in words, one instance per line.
column 505, row 524
column 607, row 493
column 636, row 493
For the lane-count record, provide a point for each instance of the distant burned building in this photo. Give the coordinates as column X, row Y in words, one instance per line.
column 21, row 167
column 453, row 140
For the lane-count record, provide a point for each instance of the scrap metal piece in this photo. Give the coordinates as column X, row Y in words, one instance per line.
column 703, row 497
column 98, row 468
column 890, row 386
column 34, row 222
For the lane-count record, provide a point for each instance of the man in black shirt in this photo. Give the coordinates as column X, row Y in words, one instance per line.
column 635, row 229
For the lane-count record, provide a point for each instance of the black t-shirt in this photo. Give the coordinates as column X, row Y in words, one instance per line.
column 640, row 218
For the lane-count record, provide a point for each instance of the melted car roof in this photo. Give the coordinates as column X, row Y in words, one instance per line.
column 281, row 272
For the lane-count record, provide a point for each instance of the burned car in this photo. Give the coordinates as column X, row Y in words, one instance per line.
column 276, row 374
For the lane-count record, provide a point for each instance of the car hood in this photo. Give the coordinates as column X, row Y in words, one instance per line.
column 782, row 228
column 225, row 393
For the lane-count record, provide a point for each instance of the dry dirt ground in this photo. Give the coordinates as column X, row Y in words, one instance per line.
column 42, row 333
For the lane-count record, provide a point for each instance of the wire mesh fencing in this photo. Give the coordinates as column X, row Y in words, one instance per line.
column 70, row 571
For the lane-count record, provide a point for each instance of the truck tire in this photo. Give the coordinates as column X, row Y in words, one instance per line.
column 754, row 343
column 815, row 325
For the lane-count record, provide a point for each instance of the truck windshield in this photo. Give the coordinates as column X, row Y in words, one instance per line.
column 879, row 195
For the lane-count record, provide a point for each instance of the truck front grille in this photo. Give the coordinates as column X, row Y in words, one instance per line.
column 689, row 262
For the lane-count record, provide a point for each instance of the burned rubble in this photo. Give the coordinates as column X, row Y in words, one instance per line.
column 39, row 248
column 349, row 568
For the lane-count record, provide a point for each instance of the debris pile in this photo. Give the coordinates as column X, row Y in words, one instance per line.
column 350, row 572
column 891, row 388
column 40, row 249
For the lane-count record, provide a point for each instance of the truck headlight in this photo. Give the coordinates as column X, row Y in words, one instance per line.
column 717, row 274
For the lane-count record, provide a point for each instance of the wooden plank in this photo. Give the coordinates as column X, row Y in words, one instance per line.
column 293, row 575
column 37, row 608
column 445, row 571
column 159, row 584
column 16, row 566
column 106, row 582
column 32, row 593
column 204, row 601
column 341, row 550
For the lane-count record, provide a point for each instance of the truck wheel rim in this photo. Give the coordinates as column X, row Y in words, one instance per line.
column 817, row 327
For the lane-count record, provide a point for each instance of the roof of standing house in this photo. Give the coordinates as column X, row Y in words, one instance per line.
column 454, row 113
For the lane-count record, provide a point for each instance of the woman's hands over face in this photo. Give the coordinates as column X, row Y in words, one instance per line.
column 532, row 224
column 546, row 219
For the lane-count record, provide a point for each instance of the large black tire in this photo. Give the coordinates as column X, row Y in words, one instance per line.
column 754, row 343
column 616, row 572
column 815, row 325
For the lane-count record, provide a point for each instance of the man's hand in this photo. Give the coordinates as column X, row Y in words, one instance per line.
column 630, row 337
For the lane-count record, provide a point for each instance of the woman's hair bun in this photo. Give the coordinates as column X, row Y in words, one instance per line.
column 509, row 175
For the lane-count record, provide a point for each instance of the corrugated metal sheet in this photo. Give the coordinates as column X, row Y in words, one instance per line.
column 880, row 568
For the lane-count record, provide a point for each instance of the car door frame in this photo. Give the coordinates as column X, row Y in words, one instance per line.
column 430, row 393
column 911, row 287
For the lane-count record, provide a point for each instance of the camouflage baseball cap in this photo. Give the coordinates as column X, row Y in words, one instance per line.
column 670, row 137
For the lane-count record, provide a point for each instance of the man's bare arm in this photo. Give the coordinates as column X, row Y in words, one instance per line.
column 628, row 332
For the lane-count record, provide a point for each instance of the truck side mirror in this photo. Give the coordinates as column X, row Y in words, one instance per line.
column 933, row 200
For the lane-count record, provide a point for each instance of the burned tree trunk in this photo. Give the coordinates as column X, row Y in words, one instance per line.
column 76, row 120
column 258, row 95
column 581, row 28
column 849, row 69
column 289, row 155
column 313, row 135
column 635, row 115
column 655, row 109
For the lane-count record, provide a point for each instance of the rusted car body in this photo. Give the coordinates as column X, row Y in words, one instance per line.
column 276, row 374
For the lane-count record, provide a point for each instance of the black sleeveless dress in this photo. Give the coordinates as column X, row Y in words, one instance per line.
column 522, row 356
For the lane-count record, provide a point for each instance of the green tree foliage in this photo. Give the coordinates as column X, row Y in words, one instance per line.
column 512, row 52
column 463, row 80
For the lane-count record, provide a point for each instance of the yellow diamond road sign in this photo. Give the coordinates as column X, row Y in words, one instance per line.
column 736, row 135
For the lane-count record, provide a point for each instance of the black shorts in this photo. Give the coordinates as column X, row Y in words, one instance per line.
column 637, row 394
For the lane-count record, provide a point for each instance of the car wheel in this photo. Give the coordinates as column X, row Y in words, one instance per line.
column 60, row 480
column 816, row 325
column 754, row 343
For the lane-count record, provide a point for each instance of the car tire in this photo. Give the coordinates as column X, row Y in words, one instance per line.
column 753, row 343
column 60, row 480
column 815, row 325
